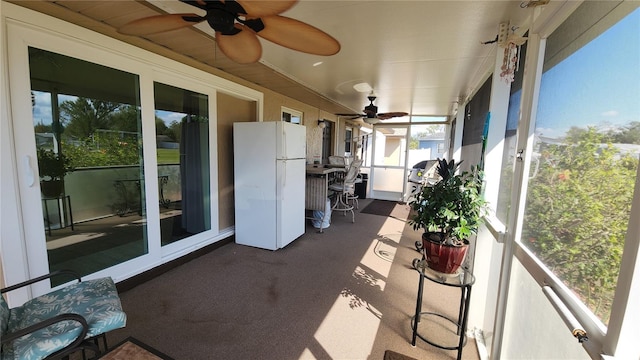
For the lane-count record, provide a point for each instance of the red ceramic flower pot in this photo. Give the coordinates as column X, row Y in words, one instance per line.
column 441, row 257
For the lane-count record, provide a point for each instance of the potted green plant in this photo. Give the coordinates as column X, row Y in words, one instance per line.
column 52, row 167
column 449, row 212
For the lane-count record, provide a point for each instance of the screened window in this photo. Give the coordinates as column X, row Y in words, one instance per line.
column 585, row 159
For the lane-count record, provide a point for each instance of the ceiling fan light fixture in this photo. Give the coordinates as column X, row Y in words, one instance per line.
column 371, row 120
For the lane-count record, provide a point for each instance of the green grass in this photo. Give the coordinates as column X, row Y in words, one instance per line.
column 168, row 156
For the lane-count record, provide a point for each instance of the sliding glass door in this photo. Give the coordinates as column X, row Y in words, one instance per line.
column 95, row 203
column 97, row 206
column 88, row 140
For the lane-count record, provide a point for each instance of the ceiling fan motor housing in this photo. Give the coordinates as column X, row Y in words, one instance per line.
column 371, row 115
column 222, row 16
column 371, row 110
column 222, row 21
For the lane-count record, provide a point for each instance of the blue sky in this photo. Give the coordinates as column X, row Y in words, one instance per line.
column 599, row 85
column 169, row 116
column 42, row 110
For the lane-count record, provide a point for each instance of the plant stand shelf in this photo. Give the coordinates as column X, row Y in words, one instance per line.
column 462, row 279
column 63, row 202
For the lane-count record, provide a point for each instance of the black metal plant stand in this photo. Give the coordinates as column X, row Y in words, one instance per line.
column 462, row 279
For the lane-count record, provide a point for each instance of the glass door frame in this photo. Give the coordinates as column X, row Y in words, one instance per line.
column 20, row 39
column 386, row 195
column 189, row 84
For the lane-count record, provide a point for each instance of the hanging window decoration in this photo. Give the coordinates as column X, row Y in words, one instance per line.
column 511, row 58
column 510, row 62
column 510, row 42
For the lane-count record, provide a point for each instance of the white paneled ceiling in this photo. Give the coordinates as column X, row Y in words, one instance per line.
column 419, row 56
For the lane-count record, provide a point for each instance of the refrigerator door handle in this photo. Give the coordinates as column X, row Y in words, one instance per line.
column 284, row 141
column 284, row 173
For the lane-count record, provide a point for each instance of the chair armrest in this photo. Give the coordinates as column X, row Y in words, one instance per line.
column 40, row 278
column 6, row 338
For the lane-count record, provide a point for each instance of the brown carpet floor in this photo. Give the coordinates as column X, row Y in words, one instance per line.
column 348, row 293
column 132, row 348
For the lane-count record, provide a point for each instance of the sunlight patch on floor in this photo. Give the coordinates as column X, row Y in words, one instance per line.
column 379, row 257
column 350, row 327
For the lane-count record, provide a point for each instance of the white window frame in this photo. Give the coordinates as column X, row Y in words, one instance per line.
column 348, row 140
column 291, row 114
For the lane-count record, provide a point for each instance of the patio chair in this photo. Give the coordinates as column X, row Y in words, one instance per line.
column 339, row 161
column 54, row 325
column 345, row 189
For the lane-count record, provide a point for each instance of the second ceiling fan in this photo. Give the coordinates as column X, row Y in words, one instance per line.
column 371, row 115
column 238, row 24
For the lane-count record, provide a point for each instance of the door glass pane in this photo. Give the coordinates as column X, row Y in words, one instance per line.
column 426, row 143
column 182, row 133
column 86, row 118
column 389, row 175
column 327, row 135
column 587, row 141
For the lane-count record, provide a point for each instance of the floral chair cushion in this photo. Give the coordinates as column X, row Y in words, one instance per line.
column 96, row 300
column 4, row 316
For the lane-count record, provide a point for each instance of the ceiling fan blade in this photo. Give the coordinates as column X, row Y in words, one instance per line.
column 266, row 8
column 352, row 116
column 243, row 47
column 296, row 35
column 159, row 23
column 389, row 115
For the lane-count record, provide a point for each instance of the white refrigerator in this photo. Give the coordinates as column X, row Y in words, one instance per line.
column 269, row 180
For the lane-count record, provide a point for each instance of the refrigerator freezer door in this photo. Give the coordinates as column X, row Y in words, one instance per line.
column 292, row 141
column 290, row 205
column 255, row 184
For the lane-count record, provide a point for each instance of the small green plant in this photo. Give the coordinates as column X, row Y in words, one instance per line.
column 453, row 208
column 52, row 165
